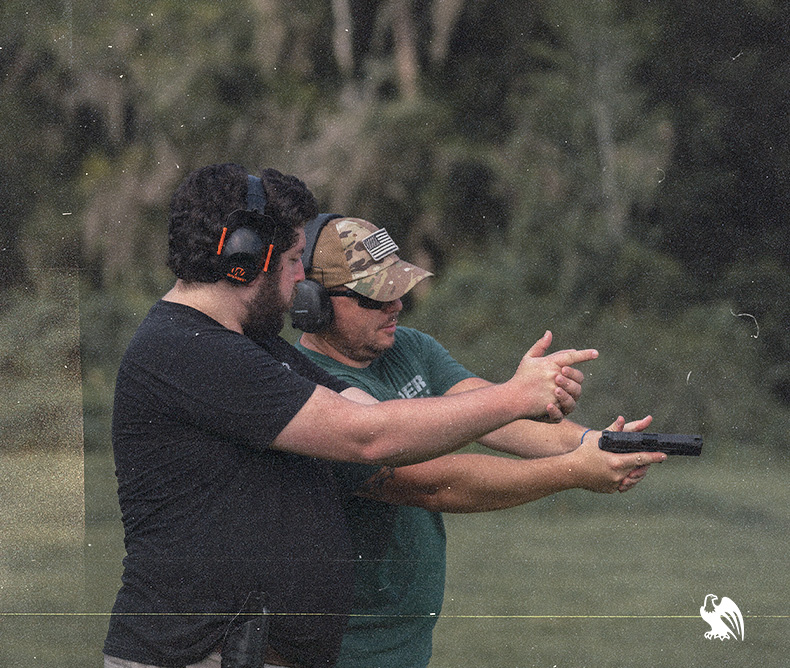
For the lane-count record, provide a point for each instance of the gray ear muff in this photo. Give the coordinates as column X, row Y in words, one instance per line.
column 312, row 308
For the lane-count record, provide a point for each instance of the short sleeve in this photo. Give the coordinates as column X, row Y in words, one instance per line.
column 220, row 383
column 443, row 369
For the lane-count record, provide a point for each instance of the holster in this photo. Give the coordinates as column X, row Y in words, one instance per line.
column 245, row 640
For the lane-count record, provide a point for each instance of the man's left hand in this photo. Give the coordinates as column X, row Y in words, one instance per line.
column 637, row 425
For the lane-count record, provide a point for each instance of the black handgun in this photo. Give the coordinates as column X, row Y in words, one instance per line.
column 636, row 441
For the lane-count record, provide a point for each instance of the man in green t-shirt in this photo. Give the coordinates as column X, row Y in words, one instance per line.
column 352, row 307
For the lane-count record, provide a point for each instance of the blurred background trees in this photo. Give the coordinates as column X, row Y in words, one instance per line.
column 615, row 171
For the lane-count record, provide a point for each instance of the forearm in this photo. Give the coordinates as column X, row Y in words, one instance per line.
column 401, row 432
column 525, row 438
column 530, row 439
column 468, row 483
column 475, row 483
column 398, row 432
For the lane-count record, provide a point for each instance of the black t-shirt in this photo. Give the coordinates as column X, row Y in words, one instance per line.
column 210, row 513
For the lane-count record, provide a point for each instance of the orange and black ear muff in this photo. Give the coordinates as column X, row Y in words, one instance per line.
column 243, row 255
column 312, row 308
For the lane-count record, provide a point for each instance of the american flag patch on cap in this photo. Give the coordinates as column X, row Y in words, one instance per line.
column 379, row 244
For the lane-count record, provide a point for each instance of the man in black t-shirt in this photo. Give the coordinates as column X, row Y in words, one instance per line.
column 222, row 433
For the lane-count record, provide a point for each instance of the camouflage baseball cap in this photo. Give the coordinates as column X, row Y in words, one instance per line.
column 360, row 256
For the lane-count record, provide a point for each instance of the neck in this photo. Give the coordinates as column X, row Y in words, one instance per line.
column 319, row 344
column 216, row 300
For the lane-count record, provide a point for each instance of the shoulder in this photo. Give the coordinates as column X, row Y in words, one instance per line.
column 323, row 361
column 182, row 341
column 170, row 326
column 178, row 319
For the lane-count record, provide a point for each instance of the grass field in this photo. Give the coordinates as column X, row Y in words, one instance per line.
column 583, row 581
column 577, row 580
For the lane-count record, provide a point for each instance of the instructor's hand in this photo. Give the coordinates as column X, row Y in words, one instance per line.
column 549, row 383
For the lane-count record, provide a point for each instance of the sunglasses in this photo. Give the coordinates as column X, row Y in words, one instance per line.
column 362, row 300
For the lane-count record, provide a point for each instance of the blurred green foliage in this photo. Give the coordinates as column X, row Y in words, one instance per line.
column 612, row 171
column 697, row 368
column 41, row 402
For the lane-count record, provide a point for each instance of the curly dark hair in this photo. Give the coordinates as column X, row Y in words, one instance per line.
column 202, row 203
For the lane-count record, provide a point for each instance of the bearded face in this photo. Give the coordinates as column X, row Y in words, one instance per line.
column 360, row 334
column 267, row 308
column 275, row 293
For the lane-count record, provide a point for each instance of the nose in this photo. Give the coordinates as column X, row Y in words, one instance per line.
column 300, row 275
column 395, row 306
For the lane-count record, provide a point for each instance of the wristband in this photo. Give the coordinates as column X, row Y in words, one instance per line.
column 585, row 434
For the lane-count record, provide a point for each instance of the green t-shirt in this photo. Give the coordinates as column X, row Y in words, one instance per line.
column 400, row 549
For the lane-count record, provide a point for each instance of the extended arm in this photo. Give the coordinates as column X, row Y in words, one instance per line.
column 406, row 431
column 526, row 438
column 464, row 483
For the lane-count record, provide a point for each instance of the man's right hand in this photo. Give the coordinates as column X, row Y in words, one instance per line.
column 549, row 384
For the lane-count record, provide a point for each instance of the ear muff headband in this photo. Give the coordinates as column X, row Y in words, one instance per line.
column 312, row 308
column 256, row 198
column 242, row 255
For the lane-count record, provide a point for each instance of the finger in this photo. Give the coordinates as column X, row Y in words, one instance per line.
column 540, row 347
column 569, row 357
column 644, row 458
column 571, row 387
column 552, row 415
column 638, row 425
column 565, row 400
column 572, row 374
column 631, row 481
column 628, row 483
column 617, row 425
column 637, row 474
column 563, row 351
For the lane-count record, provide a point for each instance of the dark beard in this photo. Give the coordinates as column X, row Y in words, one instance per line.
column 362, row 353
column 266, row 316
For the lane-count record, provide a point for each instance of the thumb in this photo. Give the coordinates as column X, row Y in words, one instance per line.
column 540, row 347
column 637, row 425
column 617, row 425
